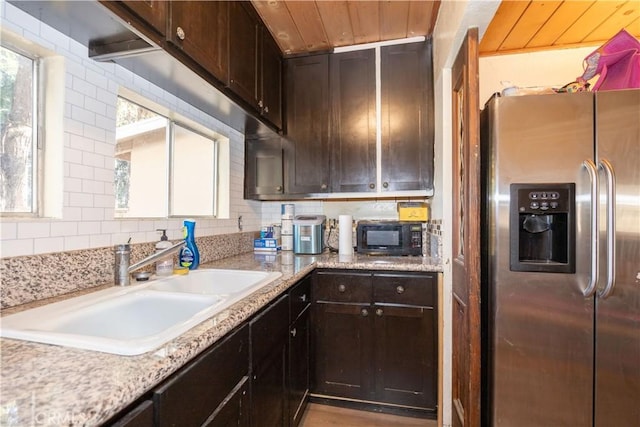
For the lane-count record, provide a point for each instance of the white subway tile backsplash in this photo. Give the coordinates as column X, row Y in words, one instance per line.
column 64, row 228
column 72, row 243
column 48, row 245
column 31, row 230
column 81, row 171
column 94, row 132
column 8, row 230
column 92, row 159
column 95, row 77
column 81, row 199
column 104, row 175
column 95, row 106
column 104, row 201
column 83, row 86
column 99, row 240
column 12, row 248
column 93, row 214
column 73, row 185
column 89, row 227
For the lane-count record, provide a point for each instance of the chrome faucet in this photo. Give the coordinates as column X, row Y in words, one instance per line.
column 123, row 256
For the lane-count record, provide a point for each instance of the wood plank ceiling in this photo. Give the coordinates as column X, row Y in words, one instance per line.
column 301, row 27
column 541, row 25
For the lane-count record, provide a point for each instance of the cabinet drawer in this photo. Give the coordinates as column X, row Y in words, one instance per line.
column 342, row 287
column 192, row 395
column 268, row 329
column 409, row 289
column 299, row 298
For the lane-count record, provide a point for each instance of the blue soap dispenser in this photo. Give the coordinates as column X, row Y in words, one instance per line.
column 189, row 255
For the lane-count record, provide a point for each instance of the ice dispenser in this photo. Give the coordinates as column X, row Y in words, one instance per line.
column 542, row 228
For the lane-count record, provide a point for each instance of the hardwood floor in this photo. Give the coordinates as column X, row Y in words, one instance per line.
column 323, row 416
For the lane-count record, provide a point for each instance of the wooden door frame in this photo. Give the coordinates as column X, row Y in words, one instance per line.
column 466, row 179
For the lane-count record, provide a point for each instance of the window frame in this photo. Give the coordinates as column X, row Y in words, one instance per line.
column 37, row 143
column 175, row 119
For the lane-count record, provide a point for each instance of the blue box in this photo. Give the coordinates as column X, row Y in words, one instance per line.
column 266, row 244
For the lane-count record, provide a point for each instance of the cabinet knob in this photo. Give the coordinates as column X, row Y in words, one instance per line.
column 379, row 312
column 279, row 188
column 266, row 109
column 303, row 297
column 372, row 186
column 180, row 33
column 260, row 103
column 400, row 289
column 385, row 185
column 342, row 288
column 293, row 332
column 364, row 312
column 323, row 186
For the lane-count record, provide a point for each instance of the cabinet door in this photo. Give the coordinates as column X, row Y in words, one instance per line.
column 344, row 350
column 269, row 331
column 263, row 168
column 193, row 394
column 353, row 121
column 140, row 416
column 244, row 31
column 298, row 367
column 407, row 117
column 235, row 410
column 307, row 107
column 406, row 356
column 153, row 12
column 199, row 29
column 270, row 102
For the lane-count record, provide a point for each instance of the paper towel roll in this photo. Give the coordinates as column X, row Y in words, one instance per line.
column 345, row 244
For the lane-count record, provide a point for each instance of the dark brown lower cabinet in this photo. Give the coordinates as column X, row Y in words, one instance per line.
column 299, row 364
column 140, row 416
column 375, row 338
column 269, row 330
column 194, row 395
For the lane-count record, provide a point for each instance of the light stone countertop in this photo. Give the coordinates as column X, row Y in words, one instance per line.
column 50, row 385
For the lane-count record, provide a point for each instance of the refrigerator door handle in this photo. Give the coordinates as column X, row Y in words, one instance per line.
column 611, row 228
column 593, row 175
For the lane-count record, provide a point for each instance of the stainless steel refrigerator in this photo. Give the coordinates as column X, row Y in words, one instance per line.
column 561, row 260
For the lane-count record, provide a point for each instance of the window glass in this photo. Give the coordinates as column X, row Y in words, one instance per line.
column 18, row 139
column 193, row 163
column 162, row 167
column 140, row 165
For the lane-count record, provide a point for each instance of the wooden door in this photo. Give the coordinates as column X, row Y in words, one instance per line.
column 407, row 117
column 199, row 29
column 307, row 112
column 270, row 80
column 244, row 30
column 466, row 235
column 154, row 12
column 352, row 91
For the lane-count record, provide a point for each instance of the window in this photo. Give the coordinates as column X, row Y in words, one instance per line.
column 18, row 133
column 163, row 167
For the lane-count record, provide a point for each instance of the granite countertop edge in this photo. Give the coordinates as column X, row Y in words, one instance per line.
column 35, row 377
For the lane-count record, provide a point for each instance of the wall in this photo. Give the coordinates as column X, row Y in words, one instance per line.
column 87, row 218
column 535, row 69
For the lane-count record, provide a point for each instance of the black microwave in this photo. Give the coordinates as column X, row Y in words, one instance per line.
column 389, row 238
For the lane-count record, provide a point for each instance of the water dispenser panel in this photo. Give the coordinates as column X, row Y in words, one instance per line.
column 542, row 228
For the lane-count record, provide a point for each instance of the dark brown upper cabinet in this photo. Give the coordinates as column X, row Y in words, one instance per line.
column 244, row 32
column 270, row 82
column 352, row 138
column 407, row 117
column 263, row 177
column 307, row 125
column 199, row 30
column 153, row 12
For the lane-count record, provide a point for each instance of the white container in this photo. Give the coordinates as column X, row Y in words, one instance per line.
column 287, row 242
column 345, row 227
column 164, row 267
column 286, row 226
column 287, row 211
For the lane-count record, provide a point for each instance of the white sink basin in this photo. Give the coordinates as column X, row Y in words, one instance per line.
column 216, row 282
column 138, row 318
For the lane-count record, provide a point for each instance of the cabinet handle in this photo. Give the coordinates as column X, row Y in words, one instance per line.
column 293, row 332
column 266, row 109
column 260, row 103
column 364, row 312
column 303, row 297
column 372, row 186
column 400, row 289
column 342, row 288
column 180, row 33
column 323, row 187
column 279, row 188
column 385, row 185
column 379, row 312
